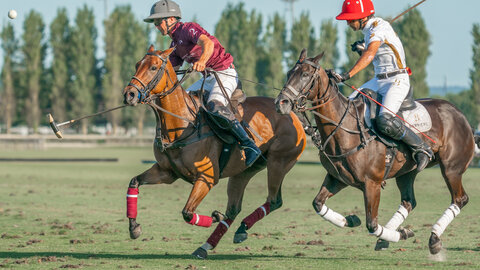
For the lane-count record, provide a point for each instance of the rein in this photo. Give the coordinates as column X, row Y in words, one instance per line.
column 324, row 100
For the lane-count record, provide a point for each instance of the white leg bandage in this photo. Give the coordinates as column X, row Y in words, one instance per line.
column 332, row 216
column 446, row 218
column 386, row 234
column 398, row 218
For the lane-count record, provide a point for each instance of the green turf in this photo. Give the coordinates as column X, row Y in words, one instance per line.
column 72, row 215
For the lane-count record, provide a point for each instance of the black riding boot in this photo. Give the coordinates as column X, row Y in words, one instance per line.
column 252, row 152
column 394, row 127
column 422, row 152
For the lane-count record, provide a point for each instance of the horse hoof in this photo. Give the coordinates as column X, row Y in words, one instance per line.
column 434, row 244
column 353, row 221
column 381, row 245
column 217, row 216
column 240, row 237
column 200, row 253
column 405, row 233
column 136, row 231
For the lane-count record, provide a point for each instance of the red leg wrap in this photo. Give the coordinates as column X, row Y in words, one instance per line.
column 132, row 195
column 202, row 221
column 221, row 229
column 258, row 214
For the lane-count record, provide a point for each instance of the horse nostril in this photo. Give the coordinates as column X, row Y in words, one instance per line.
column 131, row 94
column 283, row 102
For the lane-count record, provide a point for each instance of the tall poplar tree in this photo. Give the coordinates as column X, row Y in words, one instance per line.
column 239, row 33
column 60, row 43
column 475, row 73
column 83, row 62
column 115, row 43
column 416, row 43
column 302, row 36
column 34, row 49
column 7, row 102
column 270, row 63
column 137, row 45
column 328, row 44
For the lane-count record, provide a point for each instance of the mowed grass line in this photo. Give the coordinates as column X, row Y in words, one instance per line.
column 72, row 215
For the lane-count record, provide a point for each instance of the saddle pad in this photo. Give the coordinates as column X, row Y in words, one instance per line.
column 418, row 118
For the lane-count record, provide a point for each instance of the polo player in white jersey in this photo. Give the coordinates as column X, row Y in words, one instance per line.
column 382, row 46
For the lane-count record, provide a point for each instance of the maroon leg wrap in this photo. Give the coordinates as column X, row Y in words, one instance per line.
column 202, row 221
column 221, row 229
column 258, row 214
column 132, row 194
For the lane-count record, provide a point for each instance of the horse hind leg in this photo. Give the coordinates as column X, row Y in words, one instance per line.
column 407, row 204
column 459, row 200
column 278, row 167
column 235, row 191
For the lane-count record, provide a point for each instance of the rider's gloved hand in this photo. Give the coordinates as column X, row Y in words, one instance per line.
column 338, row 78
column 358, row 46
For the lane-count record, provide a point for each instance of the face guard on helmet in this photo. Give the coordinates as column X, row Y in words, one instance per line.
column 164, row 9
column 356, row 10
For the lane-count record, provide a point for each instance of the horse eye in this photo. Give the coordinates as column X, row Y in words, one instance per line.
column 305, row 74
column 153, row 68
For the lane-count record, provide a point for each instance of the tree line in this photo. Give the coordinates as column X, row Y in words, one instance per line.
column 75, row 82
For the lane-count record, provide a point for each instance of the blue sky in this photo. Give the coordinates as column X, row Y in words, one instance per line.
column 449, row 23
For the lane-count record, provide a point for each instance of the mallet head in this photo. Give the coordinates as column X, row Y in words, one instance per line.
column 54, row 126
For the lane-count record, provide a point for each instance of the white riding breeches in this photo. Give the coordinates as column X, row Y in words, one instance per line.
column 229, row 81
column 393, row 89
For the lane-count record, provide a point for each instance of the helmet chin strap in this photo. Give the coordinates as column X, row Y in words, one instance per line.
column 363, row 23
column 170, row 26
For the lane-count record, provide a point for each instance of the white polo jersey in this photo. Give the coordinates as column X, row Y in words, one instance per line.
column 390, row 56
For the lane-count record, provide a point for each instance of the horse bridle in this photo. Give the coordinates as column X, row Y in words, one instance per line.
column 299, row 98
column 144, row 92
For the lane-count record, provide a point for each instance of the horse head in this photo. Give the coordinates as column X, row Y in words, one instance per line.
column 305, row 81
column 149, row 77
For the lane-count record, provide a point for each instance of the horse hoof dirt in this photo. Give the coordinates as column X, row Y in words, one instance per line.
column 381, row 245
column 353, row 221
column 136, row 231
column 434, row 244
column 200, row 253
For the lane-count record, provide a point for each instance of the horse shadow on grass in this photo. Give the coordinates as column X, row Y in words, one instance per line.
column 219, row 257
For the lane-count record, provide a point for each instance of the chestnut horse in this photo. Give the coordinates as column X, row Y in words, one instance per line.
column 189, row 150
column 353, row 157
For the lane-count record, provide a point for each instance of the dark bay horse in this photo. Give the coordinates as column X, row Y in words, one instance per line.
column 189, row 149
column 360, row 161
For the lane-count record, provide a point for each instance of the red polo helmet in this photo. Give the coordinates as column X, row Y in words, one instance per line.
column 356, row 9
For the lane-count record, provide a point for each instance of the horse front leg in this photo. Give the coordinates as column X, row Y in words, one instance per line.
column 330, row 187
column 407, row 204
column 200, row 189
column 372, row 200
column 154, row 175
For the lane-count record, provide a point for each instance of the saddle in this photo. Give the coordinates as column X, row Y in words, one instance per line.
column 413, row 112
column 219, row 123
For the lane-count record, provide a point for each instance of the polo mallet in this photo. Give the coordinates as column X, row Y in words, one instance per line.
column 55, row 126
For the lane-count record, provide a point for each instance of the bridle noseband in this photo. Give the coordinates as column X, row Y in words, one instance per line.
column 299, row 98
column 145, row 90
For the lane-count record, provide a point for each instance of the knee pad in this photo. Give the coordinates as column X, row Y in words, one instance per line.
column 390, row 126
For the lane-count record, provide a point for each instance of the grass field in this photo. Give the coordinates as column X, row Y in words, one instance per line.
column 72, row 215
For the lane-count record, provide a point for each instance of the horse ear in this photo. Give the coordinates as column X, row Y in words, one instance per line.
column 318, row 57
column 151, row 48
column 303, row 55
column 168, row 51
